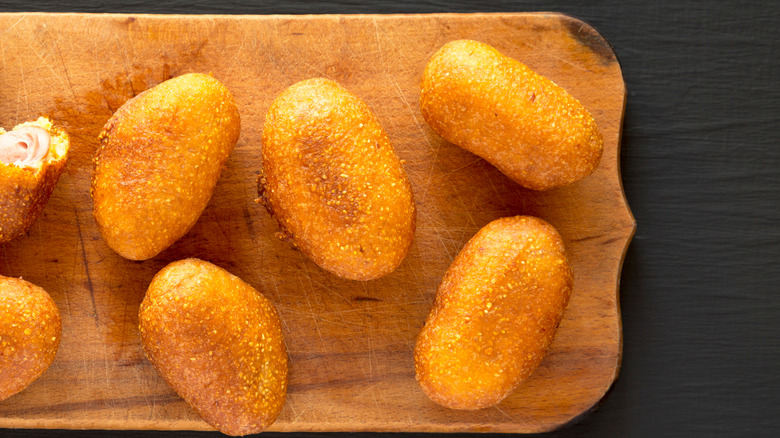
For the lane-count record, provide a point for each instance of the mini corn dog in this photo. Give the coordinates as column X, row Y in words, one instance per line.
column 531, row 129
column 30, row 329
column 159, row 159
column 495, row 314
column 218, row 343
column 334, row 183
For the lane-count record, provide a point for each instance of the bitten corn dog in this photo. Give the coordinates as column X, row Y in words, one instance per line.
column 32, row 158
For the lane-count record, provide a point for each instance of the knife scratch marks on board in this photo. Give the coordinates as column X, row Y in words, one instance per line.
column 270, row 53
column 131, row 43
column 237, row 54
column 64, row 286
column 250, row 226
column 150, row 403
column 128, row 311
column 456, row 243
column 370, row 352
column 470, row 163
column 444, row 246
column 308, row 302
column 21, row 95
column 422, row 132
column 465, row 208
column 280, row 309
column 411, row 112
column 17, row 22
column 2, row 54
column 371, row 355
column 422, row 297
column 571, row 218
column 322, row 313
column 341, row 313
column 373, row 394
column 299, row 414
column 120, row 50
column 316, row 71
column 379, row 46
column 509, row 416
column 334, row 322
column 225, row 234
column 505, row 208
column 288, row 400
column 38, row 50
column 343, row 298
column 64, row 66
column 276, row 291
column 551, row 55
column 86, row 269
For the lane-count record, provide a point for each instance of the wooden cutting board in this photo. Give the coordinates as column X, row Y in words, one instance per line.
column 350, row 343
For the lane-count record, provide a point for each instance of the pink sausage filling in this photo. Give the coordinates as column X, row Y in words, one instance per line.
column 25, row 147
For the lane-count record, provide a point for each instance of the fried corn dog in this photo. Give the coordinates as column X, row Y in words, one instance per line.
column 334, row 183
column 30, row 330
column 531, row 129
column 495, row 314
column 218, row 343
column 159, row 159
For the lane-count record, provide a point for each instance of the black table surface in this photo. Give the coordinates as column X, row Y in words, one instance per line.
column 700, row 288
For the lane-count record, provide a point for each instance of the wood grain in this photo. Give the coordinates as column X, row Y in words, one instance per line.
column 349, row 342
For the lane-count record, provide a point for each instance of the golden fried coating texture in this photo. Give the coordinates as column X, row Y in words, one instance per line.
column 531, row 129
column 495, row 314
column 218, row 342
column 30, row 329
column 159, row 159
column 334, row 183
column 25, row 191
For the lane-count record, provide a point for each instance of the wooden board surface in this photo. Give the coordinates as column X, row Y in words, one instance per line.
column 349, row 342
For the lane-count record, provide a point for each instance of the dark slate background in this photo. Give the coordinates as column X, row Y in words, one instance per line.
column 700, row 290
